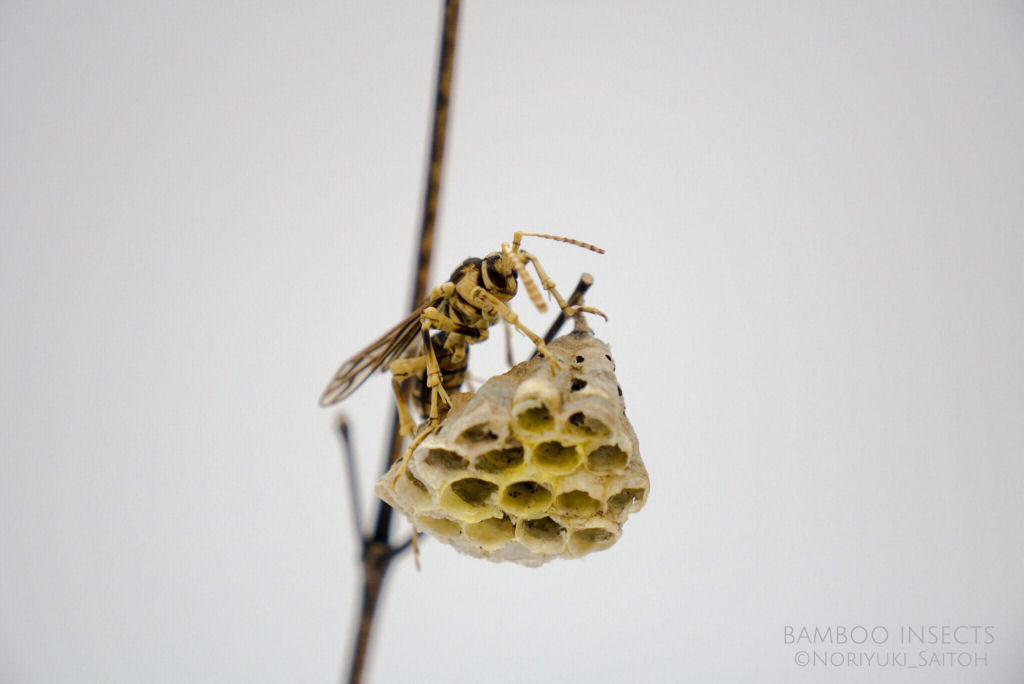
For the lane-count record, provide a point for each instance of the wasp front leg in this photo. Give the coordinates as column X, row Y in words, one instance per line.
column 549, row 286
column 486, row 300
column 438, row 321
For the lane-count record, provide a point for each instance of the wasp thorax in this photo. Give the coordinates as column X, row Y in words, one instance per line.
column 535, row 465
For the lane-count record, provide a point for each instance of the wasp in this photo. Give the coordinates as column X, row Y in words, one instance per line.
column 459, row 312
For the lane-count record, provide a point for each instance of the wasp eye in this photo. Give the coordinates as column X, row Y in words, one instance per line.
column 495, row 274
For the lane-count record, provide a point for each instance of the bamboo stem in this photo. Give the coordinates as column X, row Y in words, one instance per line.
column 378, row 552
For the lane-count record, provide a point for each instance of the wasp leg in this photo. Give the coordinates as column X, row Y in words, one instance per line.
column 405, row 422
column 442, row 291
column 509, row 357
column 549, row 286
column 438, row 321
column 416, row 548
column 425, row 430
column 524, row 275
column 574, row 310
column 401, row 370
column 428, row 361
column 433, row 374
column 486, row 298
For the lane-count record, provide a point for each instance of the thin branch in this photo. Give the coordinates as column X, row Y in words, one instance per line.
column 353, row 476
column 377, row 550
column 376, row 558
column 432, row 195
column 431, row 198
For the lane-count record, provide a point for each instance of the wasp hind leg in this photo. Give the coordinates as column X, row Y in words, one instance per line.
column 405, row 422
column 425, row 429
column 437, row 391
column 434, row 383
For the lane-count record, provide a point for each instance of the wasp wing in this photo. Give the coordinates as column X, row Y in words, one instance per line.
column 377, row 357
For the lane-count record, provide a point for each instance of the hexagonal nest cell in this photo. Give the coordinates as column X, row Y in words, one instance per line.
column 539, row 463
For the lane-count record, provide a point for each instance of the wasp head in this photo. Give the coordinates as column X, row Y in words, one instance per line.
column 499, row 274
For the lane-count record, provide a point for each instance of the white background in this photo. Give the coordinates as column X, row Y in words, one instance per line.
column 814, row 223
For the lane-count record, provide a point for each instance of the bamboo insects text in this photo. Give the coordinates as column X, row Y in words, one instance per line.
column 461, row 312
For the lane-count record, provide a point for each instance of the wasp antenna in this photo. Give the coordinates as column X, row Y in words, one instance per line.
column 531, row 286
column 558, row 238
column 506, row 261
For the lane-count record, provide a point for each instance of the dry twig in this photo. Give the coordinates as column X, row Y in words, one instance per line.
column 378, row 551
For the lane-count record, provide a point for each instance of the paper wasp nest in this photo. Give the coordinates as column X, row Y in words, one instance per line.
column 531, row 467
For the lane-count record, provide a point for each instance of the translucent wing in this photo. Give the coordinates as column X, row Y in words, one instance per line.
column 377, row 357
